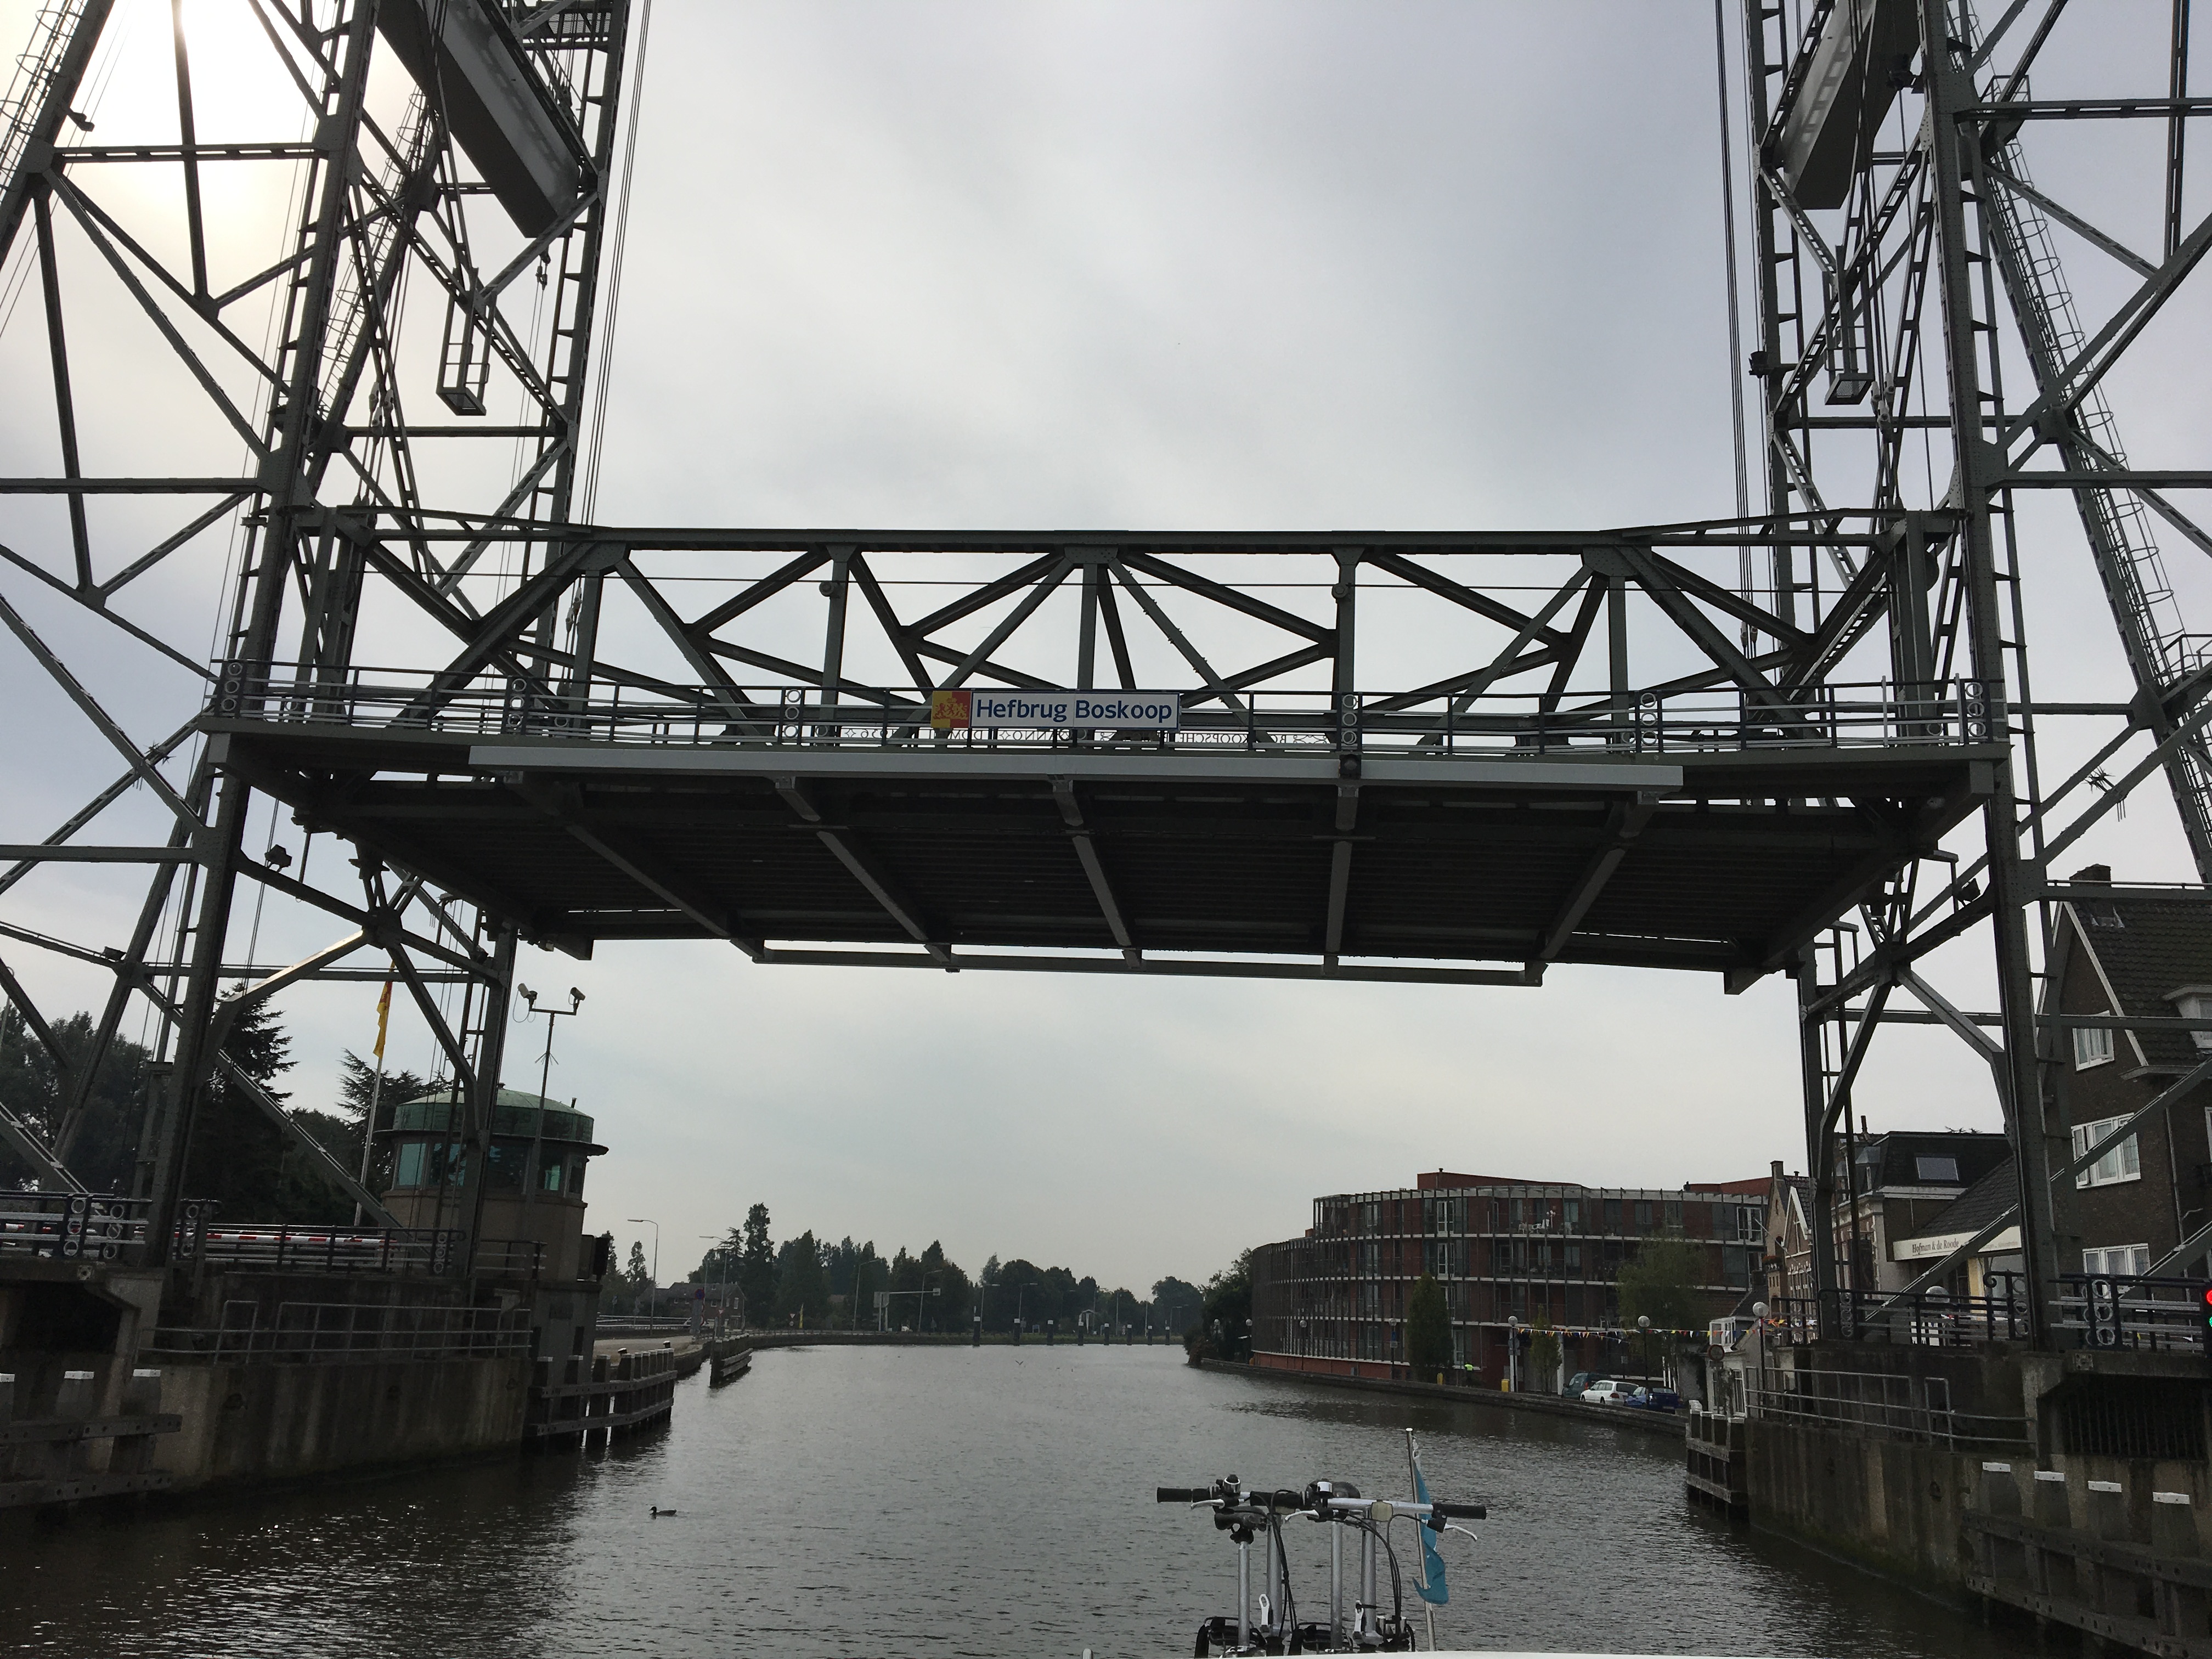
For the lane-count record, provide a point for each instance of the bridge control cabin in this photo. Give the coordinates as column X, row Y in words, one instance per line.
column 533, row 1199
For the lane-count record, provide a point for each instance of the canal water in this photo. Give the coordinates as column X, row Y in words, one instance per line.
column 957, row 1501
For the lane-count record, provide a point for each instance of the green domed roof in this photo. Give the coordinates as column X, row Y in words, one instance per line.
column 516, row 1113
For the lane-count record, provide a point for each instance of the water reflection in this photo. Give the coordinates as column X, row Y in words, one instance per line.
column 991, row 1502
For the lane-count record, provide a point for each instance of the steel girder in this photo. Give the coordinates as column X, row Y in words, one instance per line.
column 472, row 188
column 1889, row 318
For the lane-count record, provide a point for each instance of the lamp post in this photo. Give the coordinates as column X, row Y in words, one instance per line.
column 648, row 1221
column 534, row 1181
column 1643, row 1326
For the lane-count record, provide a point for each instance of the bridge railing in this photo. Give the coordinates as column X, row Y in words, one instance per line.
column 105, row 1227
column 339, row 1332
column 1431, row 721
column 87, row 1226
column 1916, row 1408
column 2090, row 1310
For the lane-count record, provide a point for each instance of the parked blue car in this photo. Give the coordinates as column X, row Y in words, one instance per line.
column 1654, row 1400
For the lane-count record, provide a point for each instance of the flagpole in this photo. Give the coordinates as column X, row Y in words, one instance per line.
column 1420, row 1553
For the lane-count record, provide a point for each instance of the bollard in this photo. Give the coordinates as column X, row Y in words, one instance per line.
column 975, row 1330
column 1017, row 1332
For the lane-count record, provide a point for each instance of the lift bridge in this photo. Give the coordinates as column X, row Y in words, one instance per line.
column 1708, row 746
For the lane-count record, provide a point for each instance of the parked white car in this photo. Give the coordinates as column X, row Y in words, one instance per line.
column 1608, row 1393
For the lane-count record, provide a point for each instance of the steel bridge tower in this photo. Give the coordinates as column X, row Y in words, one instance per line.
column 1097, row 752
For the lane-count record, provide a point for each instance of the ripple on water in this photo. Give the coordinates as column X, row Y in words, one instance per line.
column 946, row 1502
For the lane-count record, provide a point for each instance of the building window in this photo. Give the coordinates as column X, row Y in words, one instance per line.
column 2195, row 1003
column 1643, row 1215
column 1612, row 1215
column 2092, row 1046
column 2117, row 1261
column 1942, row 1172
column 2123, row 1163
column 1573, row 1213
column 1574, row 1258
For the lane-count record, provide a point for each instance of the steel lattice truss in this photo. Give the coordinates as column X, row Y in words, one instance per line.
column 1398, row 756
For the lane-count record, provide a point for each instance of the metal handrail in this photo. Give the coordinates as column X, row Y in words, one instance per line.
column 1874, row 714
column 330, row 1333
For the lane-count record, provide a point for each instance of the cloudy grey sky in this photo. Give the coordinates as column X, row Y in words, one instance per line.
column 1289, row 264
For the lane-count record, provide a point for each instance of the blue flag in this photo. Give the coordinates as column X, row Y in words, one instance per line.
column 1432, row 1564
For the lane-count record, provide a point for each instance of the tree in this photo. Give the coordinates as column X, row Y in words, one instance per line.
column 636, row 1278
column 1018, row 1293
column 1225, row 1311
column 1659, row 1284
column 357, row 1084
column 1175, row 1304
column 802, row 1288
column 948, row 1306
column 756, row 1267
column 103, row 1142
column 1428, row 1327
column 1543, row 1353
column 244, row 1162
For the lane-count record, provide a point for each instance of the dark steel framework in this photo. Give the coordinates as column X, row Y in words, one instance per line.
column 1602, row 746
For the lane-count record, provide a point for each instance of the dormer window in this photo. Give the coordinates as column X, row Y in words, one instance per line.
column 2093, row 1045
column 2194, row 1002
column 1936, row 1171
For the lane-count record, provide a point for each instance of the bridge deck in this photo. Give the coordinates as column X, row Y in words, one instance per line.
column 1274, row 864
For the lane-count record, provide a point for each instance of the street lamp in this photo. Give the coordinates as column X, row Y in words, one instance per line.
column 722, row 1299
column 1644, row 1325
column 648, row 1221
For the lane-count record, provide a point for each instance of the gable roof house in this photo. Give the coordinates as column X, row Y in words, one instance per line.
column 2144, row 954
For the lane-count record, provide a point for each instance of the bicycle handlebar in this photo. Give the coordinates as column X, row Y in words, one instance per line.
column 1445, row 1511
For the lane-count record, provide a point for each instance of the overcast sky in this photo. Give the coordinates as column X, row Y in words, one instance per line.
column 1199, row 265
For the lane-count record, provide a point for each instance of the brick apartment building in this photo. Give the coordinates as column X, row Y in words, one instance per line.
column 1920, row 1196
column 2142, row 953
column 1334, row 1300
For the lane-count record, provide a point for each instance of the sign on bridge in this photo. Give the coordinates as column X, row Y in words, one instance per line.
column 1056, row 710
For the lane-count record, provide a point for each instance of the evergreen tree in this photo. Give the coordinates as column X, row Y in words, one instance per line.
column 637, row 1279
column 243, row 1161
column 1428, row 1328
column 357, row 1084
column 1175, row 1304
column 756, row 1267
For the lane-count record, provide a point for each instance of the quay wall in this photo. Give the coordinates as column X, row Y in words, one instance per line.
column 276, row 1421
column 1664, row 1425
column 1890, row 1504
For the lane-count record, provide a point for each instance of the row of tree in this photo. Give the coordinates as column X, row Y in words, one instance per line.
column 806, row 1279
column 239, row 1157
